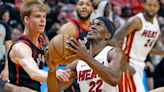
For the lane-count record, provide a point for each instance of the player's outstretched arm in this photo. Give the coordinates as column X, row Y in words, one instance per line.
column 72, row 73
column 133, row 24
column 27, row 62
column 59, row 79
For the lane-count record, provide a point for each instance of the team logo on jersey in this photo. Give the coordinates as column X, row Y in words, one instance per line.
column 40, row 59
column 86, row 75
column 148, row 33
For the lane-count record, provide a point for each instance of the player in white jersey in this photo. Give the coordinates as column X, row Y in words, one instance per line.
column 141, row 33
column 97, row 70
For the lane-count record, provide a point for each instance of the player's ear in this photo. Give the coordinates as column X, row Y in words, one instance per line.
column 108, row 36
column 26, row 18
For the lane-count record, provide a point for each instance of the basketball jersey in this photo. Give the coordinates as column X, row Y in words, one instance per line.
column 81, row 31
column 88, row 80
column 139, row 43
column 17, row 74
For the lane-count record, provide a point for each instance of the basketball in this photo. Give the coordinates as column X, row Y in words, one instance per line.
column 57, row 49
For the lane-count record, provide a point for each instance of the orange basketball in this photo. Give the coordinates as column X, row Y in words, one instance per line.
column 57, row 49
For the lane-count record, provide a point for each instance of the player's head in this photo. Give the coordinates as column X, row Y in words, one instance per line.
column 151, row 7
column 84, row 9
column 33, row 14
column 101, row 29
column 95, row 3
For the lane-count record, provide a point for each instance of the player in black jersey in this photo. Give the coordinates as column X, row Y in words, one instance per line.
column 79, row 28
column 26, row 56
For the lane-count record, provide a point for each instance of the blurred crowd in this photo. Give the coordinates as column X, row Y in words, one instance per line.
column 60, row 10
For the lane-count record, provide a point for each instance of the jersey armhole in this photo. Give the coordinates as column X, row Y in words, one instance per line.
column 140, row 22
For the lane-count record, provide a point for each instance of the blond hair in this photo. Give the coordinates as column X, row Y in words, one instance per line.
column 28, row 5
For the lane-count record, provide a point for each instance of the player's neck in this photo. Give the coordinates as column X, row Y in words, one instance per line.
column 96, row 48
column 148, row 18
column 33, row 37
column 86, row 23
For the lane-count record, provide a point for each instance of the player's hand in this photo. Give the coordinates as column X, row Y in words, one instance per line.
column 4, row 74
column 149, row 66
column 78, row 49
column 131, row 70
column 63, row 75
column 51, row 65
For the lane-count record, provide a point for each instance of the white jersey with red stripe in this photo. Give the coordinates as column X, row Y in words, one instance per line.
column 139, row 43
column 88, row 80
column 137, row 46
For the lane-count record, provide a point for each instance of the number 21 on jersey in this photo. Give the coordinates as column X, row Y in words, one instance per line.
column 149, row 43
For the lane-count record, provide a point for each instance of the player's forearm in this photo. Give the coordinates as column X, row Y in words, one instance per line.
column 108, row 74
column 157, row 51
column 39, row 75
column 52, row 82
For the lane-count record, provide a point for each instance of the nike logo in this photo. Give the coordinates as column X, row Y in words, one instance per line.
column 83, row 65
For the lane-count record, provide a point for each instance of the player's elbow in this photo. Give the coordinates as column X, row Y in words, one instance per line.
column 114, row 79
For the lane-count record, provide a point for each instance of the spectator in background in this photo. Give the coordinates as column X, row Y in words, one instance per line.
column 105, row 9
column 127, row 12
column 161, row 11
column 5, row 15
column 13, row 10
column 159, row 69
column 117, row 19
column 5, row 40
column 53, row 14
column 53, row 30
column 16, row 32
column 102, row 8
column 95, row 12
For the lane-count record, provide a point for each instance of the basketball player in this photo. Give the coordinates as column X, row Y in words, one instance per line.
column 79, row 28
column 97, row 69
column 142, row 32
column 26, row 55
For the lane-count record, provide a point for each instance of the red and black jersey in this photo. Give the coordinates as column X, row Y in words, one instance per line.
column 17, row 74
column 81, row 31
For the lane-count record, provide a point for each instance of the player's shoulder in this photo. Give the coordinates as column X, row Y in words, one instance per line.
column 135, row 22
column 115, row 51
column 68, row 28
column 20, row 47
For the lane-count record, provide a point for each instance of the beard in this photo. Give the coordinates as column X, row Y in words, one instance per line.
column 84, row 18
column 150, row 15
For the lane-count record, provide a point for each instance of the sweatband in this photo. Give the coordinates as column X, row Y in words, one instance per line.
column 109, row 25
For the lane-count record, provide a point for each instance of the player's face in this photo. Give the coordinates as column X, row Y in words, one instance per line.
column 84, row 9
column 98, row 31
column 95, row 3
column 37, row 20
column 151, row 7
